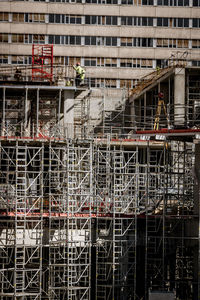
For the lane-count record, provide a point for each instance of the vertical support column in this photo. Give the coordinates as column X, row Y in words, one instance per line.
column 145, row 107
column 69, row 113
column 179, row 97
column 4, row 112
column 26, row 109
column 59, row 105
column 197, row 212
column 146, row 226
column 132, row 116
column 26, row 112
column 37, row 113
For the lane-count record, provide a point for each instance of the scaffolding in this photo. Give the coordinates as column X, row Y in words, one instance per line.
column 102, row 214
column 42, row 62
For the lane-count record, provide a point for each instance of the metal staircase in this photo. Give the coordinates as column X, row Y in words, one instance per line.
column 150, row 80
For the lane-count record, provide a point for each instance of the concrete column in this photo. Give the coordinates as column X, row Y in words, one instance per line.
column 69, row 113
column 133, row 115
column 179, row 97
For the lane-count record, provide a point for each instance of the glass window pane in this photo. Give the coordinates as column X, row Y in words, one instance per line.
column 57, row 39
column 114, row 20
column 78, row 40
column 114, row 41
column 57, row 18
column 93, row 40
column 87, row 40
column 51, row 18
column 159, row 21
column 186, row 22
column 72, row 40
column 165, row 22
column 180, row 22
column 87, row 19
column 50, row 39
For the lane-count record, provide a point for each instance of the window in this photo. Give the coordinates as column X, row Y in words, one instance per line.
column 51, row 39
column 172, row 43
column 126, row 63
column 100, row 41
column 129, row 2
column 74, row 60
column 64, row 19
column 74, row 40
column 196, row 23
column 185, row 22
column 51, row 18
column 65, row 1
column 165, row 43
column 59, row 60
column 196, row 63
column 147, row 2
column 196, row 2
column 90, row 62
column 126, row 83
column 75, row 19
column 126, row 42
column 127, row 21
column 110, row 62
column 21, row 38
column 64, row 40
column 57, row 19
column 38, row 38
column 3, row 17
column 159, row 43
column 20, row 60
column 3, row 38
column 3, row 59
column 163, row 22
column 143, row 42
column 18, row 17
column 181, row 22
column 102, row 1
column 173, row 2
column 111, row 20
column 195, row 43
column 37, row 18
column 137, row 21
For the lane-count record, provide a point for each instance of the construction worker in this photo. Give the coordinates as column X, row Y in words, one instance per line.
column 158, row 70
column 68, row 82
column 18, row 74
column 160, row 96
column 80, row 74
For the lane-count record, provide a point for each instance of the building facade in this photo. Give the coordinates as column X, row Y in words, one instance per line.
column 117, row 41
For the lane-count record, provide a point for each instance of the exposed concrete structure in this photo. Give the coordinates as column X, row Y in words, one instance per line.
column 68, row 115
column 179, row 97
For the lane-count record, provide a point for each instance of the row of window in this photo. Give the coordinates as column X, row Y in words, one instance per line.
column 92, row 61
column 195, row 3
column 98, row 41
column 101, row 20
column 86, row 61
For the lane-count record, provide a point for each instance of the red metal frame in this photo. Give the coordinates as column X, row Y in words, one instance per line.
column 42, row 62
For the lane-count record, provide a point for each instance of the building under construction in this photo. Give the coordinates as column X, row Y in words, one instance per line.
column 100, row 191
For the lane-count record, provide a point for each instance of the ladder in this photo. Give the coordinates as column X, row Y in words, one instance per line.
column 161, row 103
column 20, row 219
